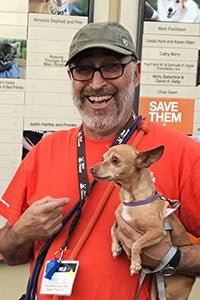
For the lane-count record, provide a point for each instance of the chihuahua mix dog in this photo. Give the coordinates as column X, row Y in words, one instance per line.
column 128, row 168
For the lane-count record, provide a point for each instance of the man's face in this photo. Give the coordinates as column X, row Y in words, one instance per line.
column 105, row 103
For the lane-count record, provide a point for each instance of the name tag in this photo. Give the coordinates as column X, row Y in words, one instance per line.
column 61, row 283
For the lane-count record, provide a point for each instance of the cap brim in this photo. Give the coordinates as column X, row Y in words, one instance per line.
column 114, row 48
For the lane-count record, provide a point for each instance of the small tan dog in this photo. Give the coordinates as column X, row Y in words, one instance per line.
column 129, row 169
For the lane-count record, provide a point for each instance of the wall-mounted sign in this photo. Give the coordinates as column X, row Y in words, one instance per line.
column 169, row 43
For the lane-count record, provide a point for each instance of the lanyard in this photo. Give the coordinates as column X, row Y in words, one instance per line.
column 84, row 187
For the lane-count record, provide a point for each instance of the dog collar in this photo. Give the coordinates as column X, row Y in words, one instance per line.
column 142, row 202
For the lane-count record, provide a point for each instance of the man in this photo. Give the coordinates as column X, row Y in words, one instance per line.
column 104, row 71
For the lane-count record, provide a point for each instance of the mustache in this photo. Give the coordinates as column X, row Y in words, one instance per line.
column 102, row 91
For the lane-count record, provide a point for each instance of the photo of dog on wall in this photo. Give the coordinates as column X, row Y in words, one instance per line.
column 187, row 11
column 60, row 7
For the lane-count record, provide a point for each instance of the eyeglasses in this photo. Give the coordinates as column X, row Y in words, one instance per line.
column 108, row 71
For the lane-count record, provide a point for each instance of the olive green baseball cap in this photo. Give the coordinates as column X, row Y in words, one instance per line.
column 108, row 35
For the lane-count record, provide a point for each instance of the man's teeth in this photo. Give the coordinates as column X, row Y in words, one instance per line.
column 100, row 98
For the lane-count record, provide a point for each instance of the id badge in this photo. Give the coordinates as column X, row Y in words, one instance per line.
column 61, row 283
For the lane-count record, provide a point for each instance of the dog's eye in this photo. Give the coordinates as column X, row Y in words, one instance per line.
column 114, row 160
column 177, row 1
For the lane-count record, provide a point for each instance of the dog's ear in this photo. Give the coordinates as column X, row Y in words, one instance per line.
column 146, row 158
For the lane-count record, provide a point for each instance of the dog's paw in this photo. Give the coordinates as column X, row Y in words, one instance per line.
column 135, row 268
column 116, row 250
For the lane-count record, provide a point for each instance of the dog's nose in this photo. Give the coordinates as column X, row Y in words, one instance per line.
column 92, row 169
column 170, row 10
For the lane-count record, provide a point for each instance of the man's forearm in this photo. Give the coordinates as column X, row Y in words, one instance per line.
column 190, row 260
column 14, row 250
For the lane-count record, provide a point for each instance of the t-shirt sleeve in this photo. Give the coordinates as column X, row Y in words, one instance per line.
column 14, row 200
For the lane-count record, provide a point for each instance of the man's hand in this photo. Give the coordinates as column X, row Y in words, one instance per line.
column 40, row 221
column 151, row 256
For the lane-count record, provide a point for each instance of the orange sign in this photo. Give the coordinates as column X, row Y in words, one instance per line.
column 173, row 112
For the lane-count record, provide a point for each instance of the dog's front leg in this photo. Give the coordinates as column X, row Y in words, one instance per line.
column 116, row 246
column 150, row 238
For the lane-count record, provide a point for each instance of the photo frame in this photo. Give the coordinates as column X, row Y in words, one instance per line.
column 65, row 8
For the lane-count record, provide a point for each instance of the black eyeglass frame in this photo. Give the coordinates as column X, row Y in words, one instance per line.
column 99, row 69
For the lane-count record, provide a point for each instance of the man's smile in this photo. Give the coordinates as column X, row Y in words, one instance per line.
column 99, row 100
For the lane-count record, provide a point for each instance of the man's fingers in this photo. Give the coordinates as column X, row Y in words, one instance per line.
column 48, row 203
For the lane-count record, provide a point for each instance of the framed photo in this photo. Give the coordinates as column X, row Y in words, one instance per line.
column 63, row 7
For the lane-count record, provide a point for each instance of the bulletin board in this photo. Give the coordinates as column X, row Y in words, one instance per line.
column 35, row 92
column 169, row 44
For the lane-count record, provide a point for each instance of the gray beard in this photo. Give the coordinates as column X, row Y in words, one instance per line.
column 102, row 122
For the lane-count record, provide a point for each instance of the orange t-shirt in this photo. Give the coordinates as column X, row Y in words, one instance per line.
column 51, row 169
